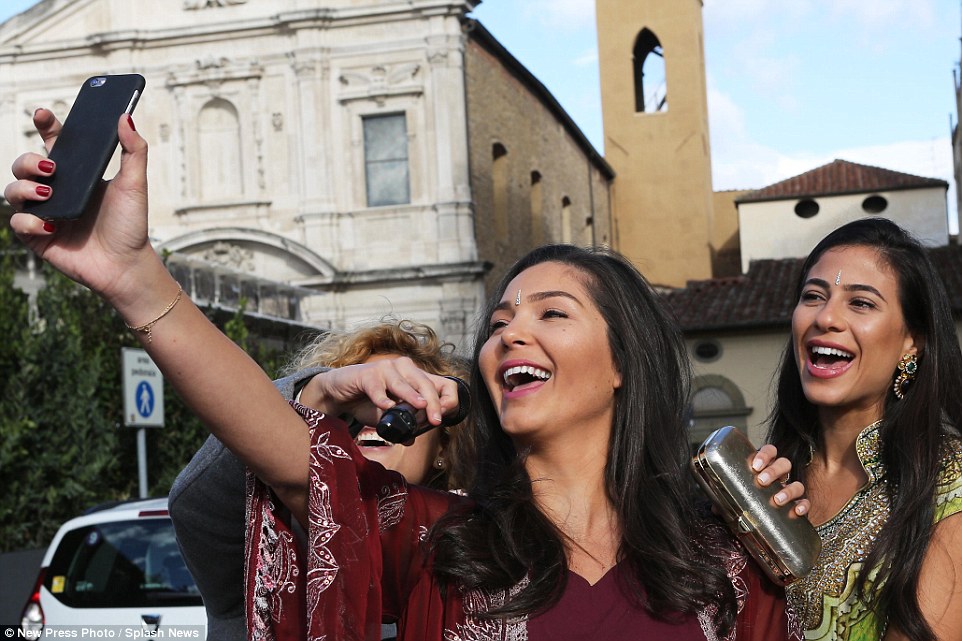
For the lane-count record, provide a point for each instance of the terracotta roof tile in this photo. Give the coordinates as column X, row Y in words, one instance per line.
column 764, row 296
column 840, row 177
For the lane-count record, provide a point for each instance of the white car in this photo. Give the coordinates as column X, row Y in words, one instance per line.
column 116, row 570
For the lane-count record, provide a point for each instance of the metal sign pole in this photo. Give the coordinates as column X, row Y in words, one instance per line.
column 143, row 403
column 142, row 460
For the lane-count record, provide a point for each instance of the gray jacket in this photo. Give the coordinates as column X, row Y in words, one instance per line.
column 207, row 507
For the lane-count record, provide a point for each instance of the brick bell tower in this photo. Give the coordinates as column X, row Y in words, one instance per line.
column 655, row 109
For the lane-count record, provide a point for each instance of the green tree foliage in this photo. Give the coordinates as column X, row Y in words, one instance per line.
column 63, row 446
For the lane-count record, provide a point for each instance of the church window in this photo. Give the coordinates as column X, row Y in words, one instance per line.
column 386, row 160
column 651, row 85
column 499, row 185
column 537, row 207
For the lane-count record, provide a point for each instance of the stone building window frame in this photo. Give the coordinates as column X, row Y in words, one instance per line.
column 355, row 110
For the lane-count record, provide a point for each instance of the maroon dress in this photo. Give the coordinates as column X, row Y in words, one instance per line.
column 363, row 562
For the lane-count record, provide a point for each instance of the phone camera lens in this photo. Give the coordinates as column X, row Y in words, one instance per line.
column 97, row 82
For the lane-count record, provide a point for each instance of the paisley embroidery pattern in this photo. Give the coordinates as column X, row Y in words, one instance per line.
column 323, row 567
column 477, row 628
column 322, row 564
column 735, row 563
column 390, row 505
column 276, row 568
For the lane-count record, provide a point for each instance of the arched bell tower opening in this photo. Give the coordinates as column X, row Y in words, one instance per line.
column 651, row 87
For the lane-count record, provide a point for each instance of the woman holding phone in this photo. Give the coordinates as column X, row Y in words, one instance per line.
column 583, row 520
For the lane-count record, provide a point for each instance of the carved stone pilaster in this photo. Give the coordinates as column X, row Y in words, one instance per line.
column 183, row 117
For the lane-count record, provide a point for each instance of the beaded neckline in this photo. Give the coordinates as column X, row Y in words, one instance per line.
column 868, row 446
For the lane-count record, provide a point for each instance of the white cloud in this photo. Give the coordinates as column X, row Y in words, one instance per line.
column 740, row 163
column 737, row 161
column 926, row 158
column 726, row 120
column 564, row 14
column 733, row 10
column 749, row 15
column 885, row 13
column 749, row 50
column 587, row 59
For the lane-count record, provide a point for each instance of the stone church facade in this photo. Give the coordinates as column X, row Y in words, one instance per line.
column 329, row 161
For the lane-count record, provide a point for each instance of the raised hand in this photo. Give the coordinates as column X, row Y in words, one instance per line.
column 104, row 249
column 365, row 391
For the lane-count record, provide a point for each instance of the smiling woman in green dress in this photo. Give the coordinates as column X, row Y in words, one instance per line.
column 868, row 410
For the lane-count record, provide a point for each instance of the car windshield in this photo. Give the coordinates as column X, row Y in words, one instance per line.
column 132, row 563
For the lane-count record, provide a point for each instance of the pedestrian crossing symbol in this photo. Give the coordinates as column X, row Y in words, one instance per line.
column 145, row 399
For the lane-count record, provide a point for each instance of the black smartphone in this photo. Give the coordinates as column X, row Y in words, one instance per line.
column 86, row 143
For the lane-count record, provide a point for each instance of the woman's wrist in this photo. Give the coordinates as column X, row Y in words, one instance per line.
column 314, row 395
column 145, row 294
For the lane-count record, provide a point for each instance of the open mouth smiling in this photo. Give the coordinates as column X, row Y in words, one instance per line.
column 521, row 375
column 825, row 357
column 369, row 438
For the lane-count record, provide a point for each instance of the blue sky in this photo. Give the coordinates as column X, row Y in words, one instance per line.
column 792, row 84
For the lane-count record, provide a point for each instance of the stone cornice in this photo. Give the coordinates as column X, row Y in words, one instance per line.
column 284, row 22
column 376, row 277
column 227, row 206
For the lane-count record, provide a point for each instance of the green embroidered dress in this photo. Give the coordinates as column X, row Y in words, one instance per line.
column 824, row 602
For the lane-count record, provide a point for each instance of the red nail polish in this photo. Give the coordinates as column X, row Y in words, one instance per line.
column 49, row 227
column 46, row 166
column 130, row 121
column 42, row 190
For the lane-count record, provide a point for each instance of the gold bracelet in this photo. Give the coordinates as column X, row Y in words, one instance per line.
column 147, row 327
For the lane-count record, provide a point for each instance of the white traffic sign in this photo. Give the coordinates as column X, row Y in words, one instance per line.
column 143, row 390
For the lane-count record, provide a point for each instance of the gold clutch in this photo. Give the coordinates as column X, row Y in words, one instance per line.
column 784, row 544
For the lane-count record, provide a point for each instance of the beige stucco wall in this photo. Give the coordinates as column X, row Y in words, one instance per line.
column 502, row 110
column 747, row 360
column 772, row 229
column 726, row 257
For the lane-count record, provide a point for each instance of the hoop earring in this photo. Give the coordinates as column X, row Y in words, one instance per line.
column 907, row 368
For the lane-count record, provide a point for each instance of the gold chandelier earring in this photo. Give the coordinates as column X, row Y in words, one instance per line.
column 907, row 368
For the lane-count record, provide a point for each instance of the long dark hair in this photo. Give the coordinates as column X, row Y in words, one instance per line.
column 505, row 537
column 913, row 429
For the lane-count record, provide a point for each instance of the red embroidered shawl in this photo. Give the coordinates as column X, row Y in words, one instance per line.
column 363, row 561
